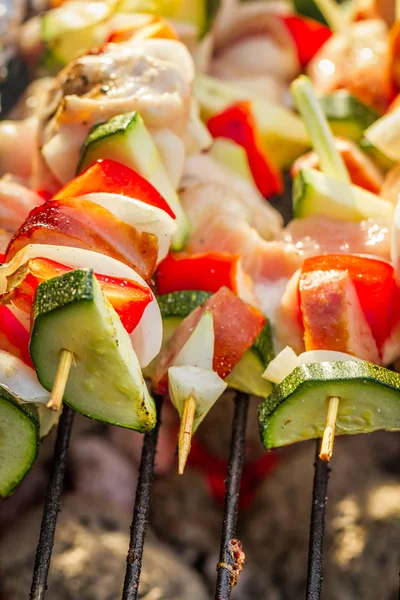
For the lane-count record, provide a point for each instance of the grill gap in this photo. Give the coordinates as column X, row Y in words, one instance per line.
column 225, row 577
column 141, row 510
column 317, row 527
column 51, row 506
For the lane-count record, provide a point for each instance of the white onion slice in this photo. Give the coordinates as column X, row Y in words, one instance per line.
column 286, row 361
column 21, row 379
column 205, row 385
column 199, row 349
column 146, row 338
column 141, row 216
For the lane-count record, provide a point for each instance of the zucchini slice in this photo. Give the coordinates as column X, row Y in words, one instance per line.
column 19, row 440
column 296, row 409
column 126, row 140
column 105, row 382
column 347, row 116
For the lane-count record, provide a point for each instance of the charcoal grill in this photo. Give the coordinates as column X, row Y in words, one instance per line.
column 227, row 565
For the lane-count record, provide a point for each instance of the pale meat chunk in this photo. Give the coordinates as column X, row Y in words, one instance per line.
column 318, row 235
column 332, row 315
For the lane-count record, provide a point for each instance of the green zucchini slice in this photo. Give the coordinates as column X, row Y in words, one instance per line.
column 296, row 409
column 19, row 440
column 105, row 382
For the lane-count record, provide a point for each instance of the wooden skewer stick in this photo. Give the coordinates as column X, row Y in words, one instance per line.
column 328, row 438
column 60, row 381
column 186, row 432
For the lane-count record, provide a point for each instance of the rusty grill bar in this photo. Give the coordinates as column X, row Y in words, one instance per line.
column 226, row 563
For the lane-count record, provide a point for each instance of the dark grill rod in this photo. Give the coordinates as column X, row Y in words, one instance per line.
column 52, row 506
column 141, row 510
column 317, row 527
column 225, row 577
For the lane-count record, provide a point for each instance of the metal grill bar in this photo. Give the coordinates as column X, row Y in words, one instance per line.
column 317, row 527
column 52, row 506
column 141, row 510
column 225, row 576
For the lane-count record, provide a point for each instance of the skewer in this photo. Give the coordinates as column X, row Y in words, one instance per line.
column 328, row 438
column 60, row 381
column 186, row 432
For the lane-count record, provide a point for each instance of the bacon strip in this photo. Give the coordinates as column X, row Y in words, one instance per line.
column 83, row 224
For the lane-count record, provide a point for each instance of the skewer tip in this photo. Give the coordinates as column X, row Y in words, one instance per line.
column 186, row 432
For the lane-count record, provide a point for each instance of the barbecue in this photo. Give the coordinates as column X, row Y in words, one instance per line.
column 146, row 270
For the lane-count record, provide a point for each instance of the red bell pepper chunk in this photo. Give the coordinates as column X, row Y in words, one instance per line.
column 237, row 123
column 111, row 177
column 44, row 194
column 308, row 36
column 128, row 297
column 208, row 272
column 14, row 338
column 374, row 281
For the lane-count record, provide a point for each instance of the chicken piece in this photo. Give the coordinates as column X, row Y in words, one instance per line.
column 318, row 235
column 233, row 195
column 227, row 214
column 332, row 315
column 17, row 146
column 151, row 76
column 361, row 168
column 251, row 39
column 391, row 185
column 16, row 202
column 356, row 60
column 374, row 9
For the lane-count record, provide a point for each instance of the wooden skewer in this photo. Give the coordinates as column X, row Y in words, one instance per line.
column 186, row 432
column 60, row 381
column 328, row 438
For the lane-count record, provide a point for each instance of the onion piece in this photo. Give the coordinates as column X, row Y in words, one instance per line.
column 199, row 349
column 21, row 379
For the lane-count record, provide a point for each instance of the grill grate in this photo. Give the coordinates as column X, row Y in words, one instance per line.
column 141, row 510
column 51, row 506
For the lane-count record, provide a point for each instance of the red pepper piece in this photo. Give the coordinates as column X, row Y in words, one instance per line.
column 237, row 123
column 14, row 338
column 207, row 272
column 128, row 297
column 308, row 36
column 109, row 176
column 374, row 281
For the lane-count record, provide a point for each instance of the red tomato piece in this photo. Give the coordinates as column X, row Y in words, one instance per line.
column 208, row 272
column 308, row 36
column 109, row 176
column 128, row 297
column 237, row 123
column 374, row 281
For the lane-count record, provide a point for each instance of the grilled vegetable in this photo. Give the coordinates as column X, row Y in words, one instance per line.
column 125, row 139
column 232, row 156
column 296, row 409
column 384, row 134
column 347, row 116
column 105, row 383
column 316, row 194
column 20, row 436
